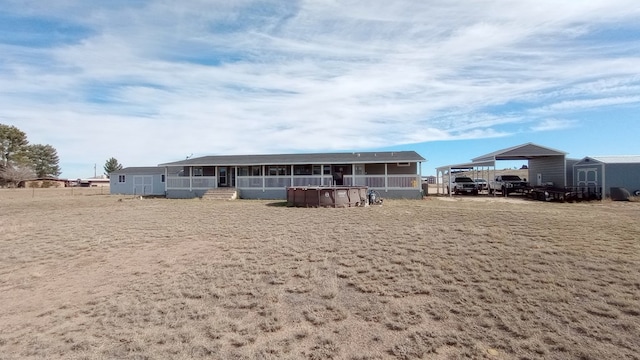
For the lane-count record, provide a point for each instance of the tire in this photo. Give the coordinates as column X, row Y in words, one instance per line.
column 636, row 193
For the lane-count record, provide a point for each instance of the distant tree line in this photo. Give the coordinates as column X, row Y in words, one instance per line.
column 21, row 161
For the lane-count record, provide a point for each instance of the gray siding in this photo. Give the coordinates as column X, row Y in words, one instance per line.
column 622, row 175
column 401, row 194
column 281, row 194
column 570, row 164
column 185, row 194
column 277, row 194
column 128, row 187
column 552, row 169
column 268, row 194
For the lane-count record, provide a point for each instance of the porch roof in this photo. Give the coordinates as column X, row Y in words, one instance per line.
column 302, row 159
column 144, row 170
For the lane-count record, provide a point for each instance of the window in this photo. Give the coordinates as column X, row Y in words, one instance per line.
column 327, row 170
column 317, row 170
column 162, row 178
column 302, row 169
column 121, row 178
column 197, row 171
column 403, row 164
column 279, row 170
column 249, row 170
column 359, row 169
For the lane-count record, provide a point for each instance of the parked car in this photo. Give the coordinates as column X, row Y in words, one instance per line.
column 482, row 184
column 463, row 185
column 508, row 184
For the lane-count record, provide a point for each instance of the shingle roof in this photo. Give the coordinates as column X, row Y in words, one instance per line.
column 302, row 159
column 144, row 170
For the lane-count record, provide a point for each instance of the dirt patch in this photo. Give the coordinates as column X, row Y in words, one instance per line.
column 110, row 277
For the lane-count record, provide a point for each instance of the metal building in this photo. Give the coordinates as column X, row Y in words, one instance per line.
column 606, row 172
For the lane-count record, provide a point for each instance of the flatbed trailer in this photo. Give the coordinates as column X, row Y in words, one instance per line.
column 570, row 194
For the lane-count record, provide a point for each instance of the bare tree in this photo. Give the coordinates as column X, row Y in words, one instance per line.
column 11, row 176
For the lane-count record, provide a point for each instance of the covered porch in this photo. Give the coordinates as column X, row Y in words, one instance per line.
column 382, row 177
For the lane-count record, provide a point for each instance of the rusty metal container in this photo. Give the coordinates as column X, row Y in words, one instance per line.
column 330, row 196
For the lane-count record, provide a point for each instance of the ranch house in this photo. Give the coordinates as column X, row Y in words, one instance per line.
column 395, row 174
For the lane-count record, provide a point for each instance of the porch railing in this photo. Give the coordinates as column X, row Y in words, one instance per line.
column 193, row 182
column 257, row 182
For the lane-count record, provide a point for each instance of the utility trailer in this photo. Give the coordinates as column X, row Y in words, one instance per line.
column 569, row 194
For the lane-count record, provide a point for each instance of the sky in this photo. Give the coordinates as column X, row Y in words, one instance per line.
column 155, row 81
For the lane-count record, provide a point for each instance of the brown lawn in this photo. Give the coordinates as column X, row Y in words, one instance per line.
column 105, row 277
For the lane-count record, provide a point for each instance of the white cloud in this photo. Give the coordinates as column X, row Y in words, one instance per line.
column 151, row 80
column 553, row 124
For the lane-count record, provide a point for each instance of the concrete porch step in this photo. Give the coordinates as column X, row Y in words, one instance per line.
column 220, row 194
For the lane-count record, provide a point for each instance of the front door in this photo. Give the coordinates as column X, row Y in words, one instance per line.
column 222, row 176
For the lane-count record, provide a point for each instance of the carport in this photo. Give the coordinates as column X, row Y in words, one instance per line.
column 548, row 166
column 479, row 169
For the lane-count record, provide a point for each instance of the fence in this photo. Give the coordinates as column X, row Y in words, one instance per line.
column 52, row 192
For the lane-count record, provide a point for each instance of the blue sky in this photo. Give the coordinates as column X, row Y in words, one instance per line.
column 149, row 82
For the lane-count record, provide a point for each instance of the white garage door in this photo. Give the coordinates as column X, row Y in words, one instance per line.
column 142, row 185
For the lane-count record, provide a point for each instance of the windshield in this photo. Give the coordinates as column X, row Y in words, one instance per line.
column 511, row 178
column 463, row 179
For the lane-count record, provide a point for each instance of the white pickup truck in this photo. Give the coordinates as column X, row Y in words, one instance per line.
column 463, row 185
column 508, row 184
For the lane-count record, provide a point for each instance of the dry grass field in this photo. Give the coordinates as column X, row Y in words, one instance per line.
column 112, row 277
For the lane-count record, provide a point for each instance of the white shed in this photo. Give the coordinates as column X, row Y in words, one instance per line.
column 142, row 181
column 606, row 172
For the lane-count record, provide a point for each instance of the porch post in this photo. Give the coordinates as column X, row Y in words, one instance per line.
column 190, row 178
column 386, row 178
column 166, row 178
column 263, row 179
column 353, row 174
column 291, row 183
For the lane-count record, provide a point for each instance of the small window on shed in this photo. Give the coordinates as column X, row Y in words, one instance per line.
column 404, row 164
column 162, row 178
column 121, row 178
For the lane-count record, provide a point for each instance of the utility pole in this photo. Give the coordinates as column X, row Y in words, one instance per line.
column 95, row 174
